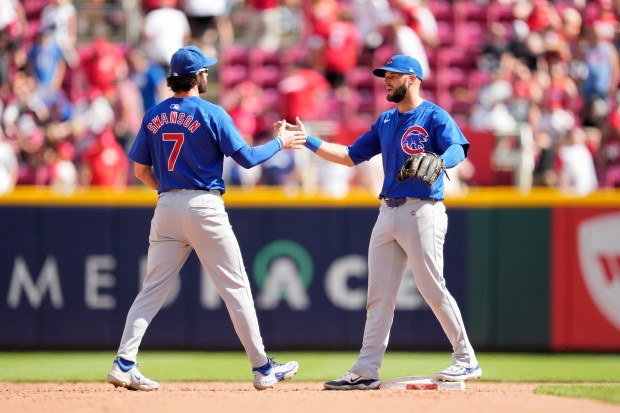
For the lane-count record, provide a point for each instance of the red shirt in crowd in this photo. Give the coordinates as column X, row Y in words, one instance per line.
column 100, row 64
column 342, row 47
column 302, row 93
column 106, row 161
column 263, row 4
column 542, row 16
column 321, row 14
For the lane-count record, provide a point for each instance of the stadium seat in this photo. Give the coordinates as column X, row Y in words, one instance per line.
column 442, row 10
column 471, row 35
column 272, row 99
column 266, row 76
column 430, row 95
column 471, row 10
column 235, row 55
column 260, row 57
column 452, row 77
column 446, row 33
column 478, row 78
column 461, row 106
column 461, row 119
column 334, row 108
column 294, row 54
column 360, row 77
column 433, row 57
column 457, row 56
column 500, row 11
column 612, row 177
column 232, row 75
column 429, row 84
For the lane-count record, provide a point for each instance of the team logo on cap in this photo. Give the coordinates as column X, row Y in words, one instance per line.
column 413, row 140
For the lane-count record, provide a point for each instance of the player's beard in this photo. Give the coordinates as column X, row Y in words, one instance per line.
column 397, row 94
column 202, row 85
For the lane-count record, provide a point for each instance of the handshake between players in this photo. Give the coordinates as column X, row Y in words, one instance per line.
column 292, row 136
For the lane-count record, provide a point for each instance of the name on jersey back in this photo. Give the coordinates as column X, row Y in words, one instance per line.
column 172, row 117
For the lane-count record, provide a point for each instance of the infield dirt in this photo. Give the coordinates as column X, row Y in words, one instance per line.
column 289, row 397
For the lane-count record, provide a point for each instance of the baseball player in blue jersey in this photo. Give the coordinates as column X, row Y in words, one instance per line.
column 412, row 222
column 179, row 152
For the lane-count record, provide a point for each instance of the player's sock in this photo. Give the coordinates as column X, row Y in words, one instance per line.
column 265, row 370
column 125, row 365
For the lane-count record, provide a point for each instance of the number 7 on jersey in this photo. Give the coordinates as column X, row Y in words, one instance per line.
column 178, row 139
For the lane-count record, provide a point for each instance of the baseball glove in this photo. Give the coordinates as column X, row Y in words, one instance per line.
column 426, row 166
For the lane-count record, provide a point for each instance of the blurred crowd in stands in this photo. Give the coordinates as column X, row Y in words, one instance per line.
column 540, row 76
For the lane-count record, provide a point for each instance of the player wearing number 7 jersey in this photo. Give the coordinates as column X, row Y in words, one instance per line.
column 179, row 152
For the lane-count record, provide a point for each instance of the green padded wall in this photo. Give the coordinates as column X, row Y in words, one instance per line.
column 509, row 270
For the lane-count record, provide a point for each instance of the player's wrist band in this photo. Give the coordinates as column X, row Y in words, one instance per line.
column 280, row 142
column 313, row 143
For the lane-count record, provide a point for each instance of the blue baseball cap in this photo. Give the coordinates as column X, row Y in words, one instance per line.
column 400, row 64
column 188, row 60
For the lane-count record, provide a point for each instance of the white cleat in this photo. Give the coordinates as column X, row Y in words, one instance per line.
column 267, row 376
column 455, row 372
column 132, row 379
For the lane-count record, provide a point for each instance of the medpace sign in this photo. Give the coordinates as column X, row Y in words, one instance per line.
column 69, row 275
column 282, row 284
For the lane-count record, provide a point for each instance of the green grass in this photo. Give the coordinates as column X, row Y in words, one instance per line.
column 605, row 392
column 314, row 366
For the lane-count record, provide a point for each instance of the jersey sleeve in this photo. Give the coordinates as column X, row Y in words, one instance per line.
column 448, row 133
column 366, row 146
column 230, row 139
column 140, row 151
column 249, row 157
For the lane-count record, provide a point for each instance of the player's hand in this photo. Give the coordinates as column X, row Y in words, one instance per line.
column 291, row 139
column 277, row 125
column 298, row 126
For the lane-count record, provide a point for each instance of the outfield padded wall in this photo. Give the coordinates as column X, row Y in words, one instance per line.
column 509, row 278
column 70, row 268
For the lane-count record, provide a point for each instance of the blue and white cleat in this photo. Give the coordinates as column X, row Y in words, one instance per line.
column 130, row 377
column 267, row 376
column 455, row 372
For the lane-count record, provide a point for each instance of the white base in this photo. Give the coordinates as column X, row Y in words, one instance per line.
column 421, row 383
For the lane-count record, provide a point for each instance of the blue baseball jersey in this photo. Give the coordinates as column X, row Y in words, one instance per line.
column 185, row 140
column 399, row 135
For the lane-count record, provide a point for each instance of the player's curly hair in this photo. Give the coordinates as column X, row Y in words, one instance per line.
column 182, row 83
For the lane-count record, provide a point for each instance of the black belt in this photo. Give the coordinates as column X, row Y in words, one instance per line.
column 394, row 202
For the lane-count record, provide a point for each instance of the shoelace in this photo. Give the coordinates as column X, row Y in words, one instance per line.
column 348, row 376
column 455, row 369
column 272, row 362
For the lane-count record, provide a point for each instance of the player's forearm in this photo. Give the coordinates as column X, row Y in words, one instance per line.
column 336, row 153
column 249, row 157
column 150, row 181
column 453, row 156
column 332, row 152
column 145, row 174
